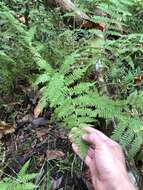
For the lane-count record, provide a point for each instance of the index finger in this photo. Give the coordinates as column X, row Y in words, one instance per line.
column 98, row 133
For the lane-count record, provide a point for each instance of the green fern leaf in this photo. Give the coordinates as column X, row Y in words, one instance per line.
column 75, row 136
column 23, row 170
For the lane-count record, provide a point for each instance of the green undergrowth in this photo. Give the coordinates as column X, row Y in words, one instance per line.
column 65, row 63
column 23, row 180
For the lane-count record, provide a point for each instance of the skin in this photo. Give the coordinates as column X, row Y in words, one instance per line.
column 106, row 162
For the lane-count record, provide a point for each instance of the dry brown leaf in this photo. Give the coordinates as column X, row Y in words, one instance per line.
column 26, row 118
column 21, row 19
column 37, row 110
column 92, row 25
column 54, row 154
column 6, row 128
column 42, row 133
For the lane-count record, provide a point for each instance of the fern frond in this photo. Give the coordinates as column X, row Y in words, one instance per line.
column 27, row 186
column 21, row 182
column 69, row 60
column 75, row 76
column 55, row 90
column 83, row 101
column 42, row 79
column 4, row 186
column 65, row 109
column 130, row 134
column 83, row 111
column 81, row 88
column 24, row 169
column 137, row 141
column 136, row 101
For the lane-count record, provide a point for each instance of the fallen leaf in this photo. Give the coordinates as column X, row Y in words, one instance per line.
column 92, row 25
column 26, row 118
column 41, row 121
column 37, row 110
column 138, row 80
column 54, row 154
column 6, row 128
column 21, row 19
column 42, row 133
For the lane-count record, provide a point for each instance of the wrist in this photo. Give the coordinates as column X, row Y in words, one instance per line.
column 122, row 183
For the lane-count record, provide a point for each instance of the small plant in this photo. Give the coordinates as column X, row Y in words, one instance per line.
column 21, row 182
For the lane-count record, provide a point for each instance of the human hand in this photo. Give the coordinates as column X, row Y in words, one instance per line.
column 106, row 162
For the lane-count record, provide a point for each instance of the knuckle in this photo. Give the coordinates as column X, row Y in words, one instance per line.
column 116, row 145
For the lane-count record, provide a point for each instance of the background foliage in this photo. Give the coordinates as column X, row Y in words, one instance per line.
column 21, row 181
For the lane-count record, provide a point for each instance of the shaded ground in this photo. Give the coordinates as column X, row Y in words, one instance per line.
column 45, row 144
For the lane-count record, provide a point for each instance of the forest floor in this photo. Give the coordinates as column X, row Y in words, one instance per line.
column 45, row 144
